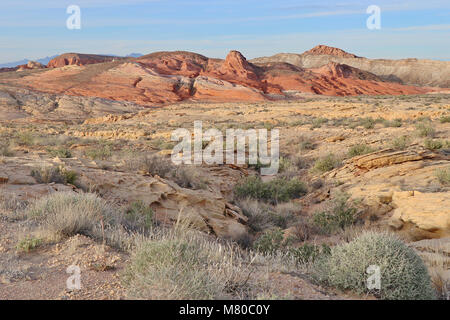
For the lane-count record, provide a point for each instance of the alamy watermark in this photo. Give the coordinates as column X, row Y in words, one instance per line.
column 374, row 20
column 74, row 281
column 374, row 280
column 74, row 20
column 235, row 140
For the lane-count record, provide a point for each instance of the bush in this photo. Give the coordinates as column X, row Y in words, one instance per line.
column 403, row 273
column 102, row 152
column 68, row 213
column 368, row 123
column 400, row 143
column 273, row 191
column 138, row 216
column 445, row 119
column 54, row 174
column 341, row 215
column 25, row 139
column 270, row 242
column 443, row 176
column 60, row 152
column 326, row 163
column 425, row 130
column 433, row 144
column 174, row 266
column 29, row 243
column 359, row 149
column 308, row 253
column 396, row 123
column 5, row 149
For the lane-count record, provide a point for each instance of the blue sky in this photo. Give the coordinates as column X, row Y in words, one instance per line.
column 409, row 28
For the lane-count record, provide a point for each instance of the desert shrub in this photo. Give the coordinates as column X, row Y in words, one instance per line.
column 188, row 177
column 54, row 174
column 359, row 149
column 308, row 253
column 60, row 152
column 68, row 213
column 100, row 152
column 433, row 144
column 28, row 244
column 273, row 191
column 185, row 266
column 262, row 216
column 318, row 122
column 327, row 163
column 25, row 138
column 270, row 242
column 445, row 119
column 5, row 149
column 425, row 129
column 400, row 143
column 443, row 176
column 367, row 123
column 396, row 123
column 403, row 273
column 138, row 217
column 341, row 215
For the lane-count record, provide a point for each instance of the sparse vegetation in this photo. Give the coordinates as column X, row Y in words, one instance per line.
column 327, row 163
column 359, row 149
column 340, row 215
column 28, row 244
column 424, row 129
column 443, row 176
column 400, row 143
column 403, row 273
column 273, row 191
column 60, row 152
column 433, row 144
column 54, row 174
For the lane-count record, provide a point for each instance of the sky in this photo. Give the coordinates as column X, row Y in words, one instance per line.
column 34, row 29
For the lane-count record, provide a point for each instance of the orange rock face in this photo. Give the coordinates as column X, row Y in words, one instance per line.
column 78, row 59
column 331, row 51
column 167, row 77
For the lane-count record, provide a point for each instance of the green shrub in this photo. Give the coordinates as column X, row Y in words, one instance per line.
column 54, row 174
column 445, row 119
column 433, row 144
column 341, row 215
column 425, row 130
column 359, row 149
column 443, row 176
column 396, row 123
column 318, row 122
column 29, row 243
column 138, row 216
column 25, row 138
column 270, row 242
column 308, row 253
column 327, row 163
column 400, row 143
column 368, row 123
column 273, row 191
column 5, row 149
column 102, row 152
column 403, row 274
column 60, row 152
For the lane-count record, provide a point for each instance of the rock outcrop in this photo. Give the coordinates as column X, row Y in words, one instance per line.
column 167, row 77
column 400, row 188
column 78, row 59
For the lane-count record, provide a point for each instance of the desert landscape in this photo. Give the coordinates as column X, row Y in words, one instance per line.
column 86, row 178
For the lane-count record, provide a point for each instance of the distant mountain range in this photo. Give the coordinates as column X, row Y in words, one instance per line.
column 46, row 60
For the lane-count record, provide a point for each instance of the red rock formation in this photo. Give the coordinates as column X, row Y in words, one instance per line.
column 167, row 77
column 78, row 59
column 326, row 50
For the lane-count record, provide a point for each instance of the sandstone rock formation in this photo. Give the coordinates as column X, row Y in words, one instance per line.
column 417, row 72
column 78, row 59
column 400, row 187
column 204, row 210
column 167, row 77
